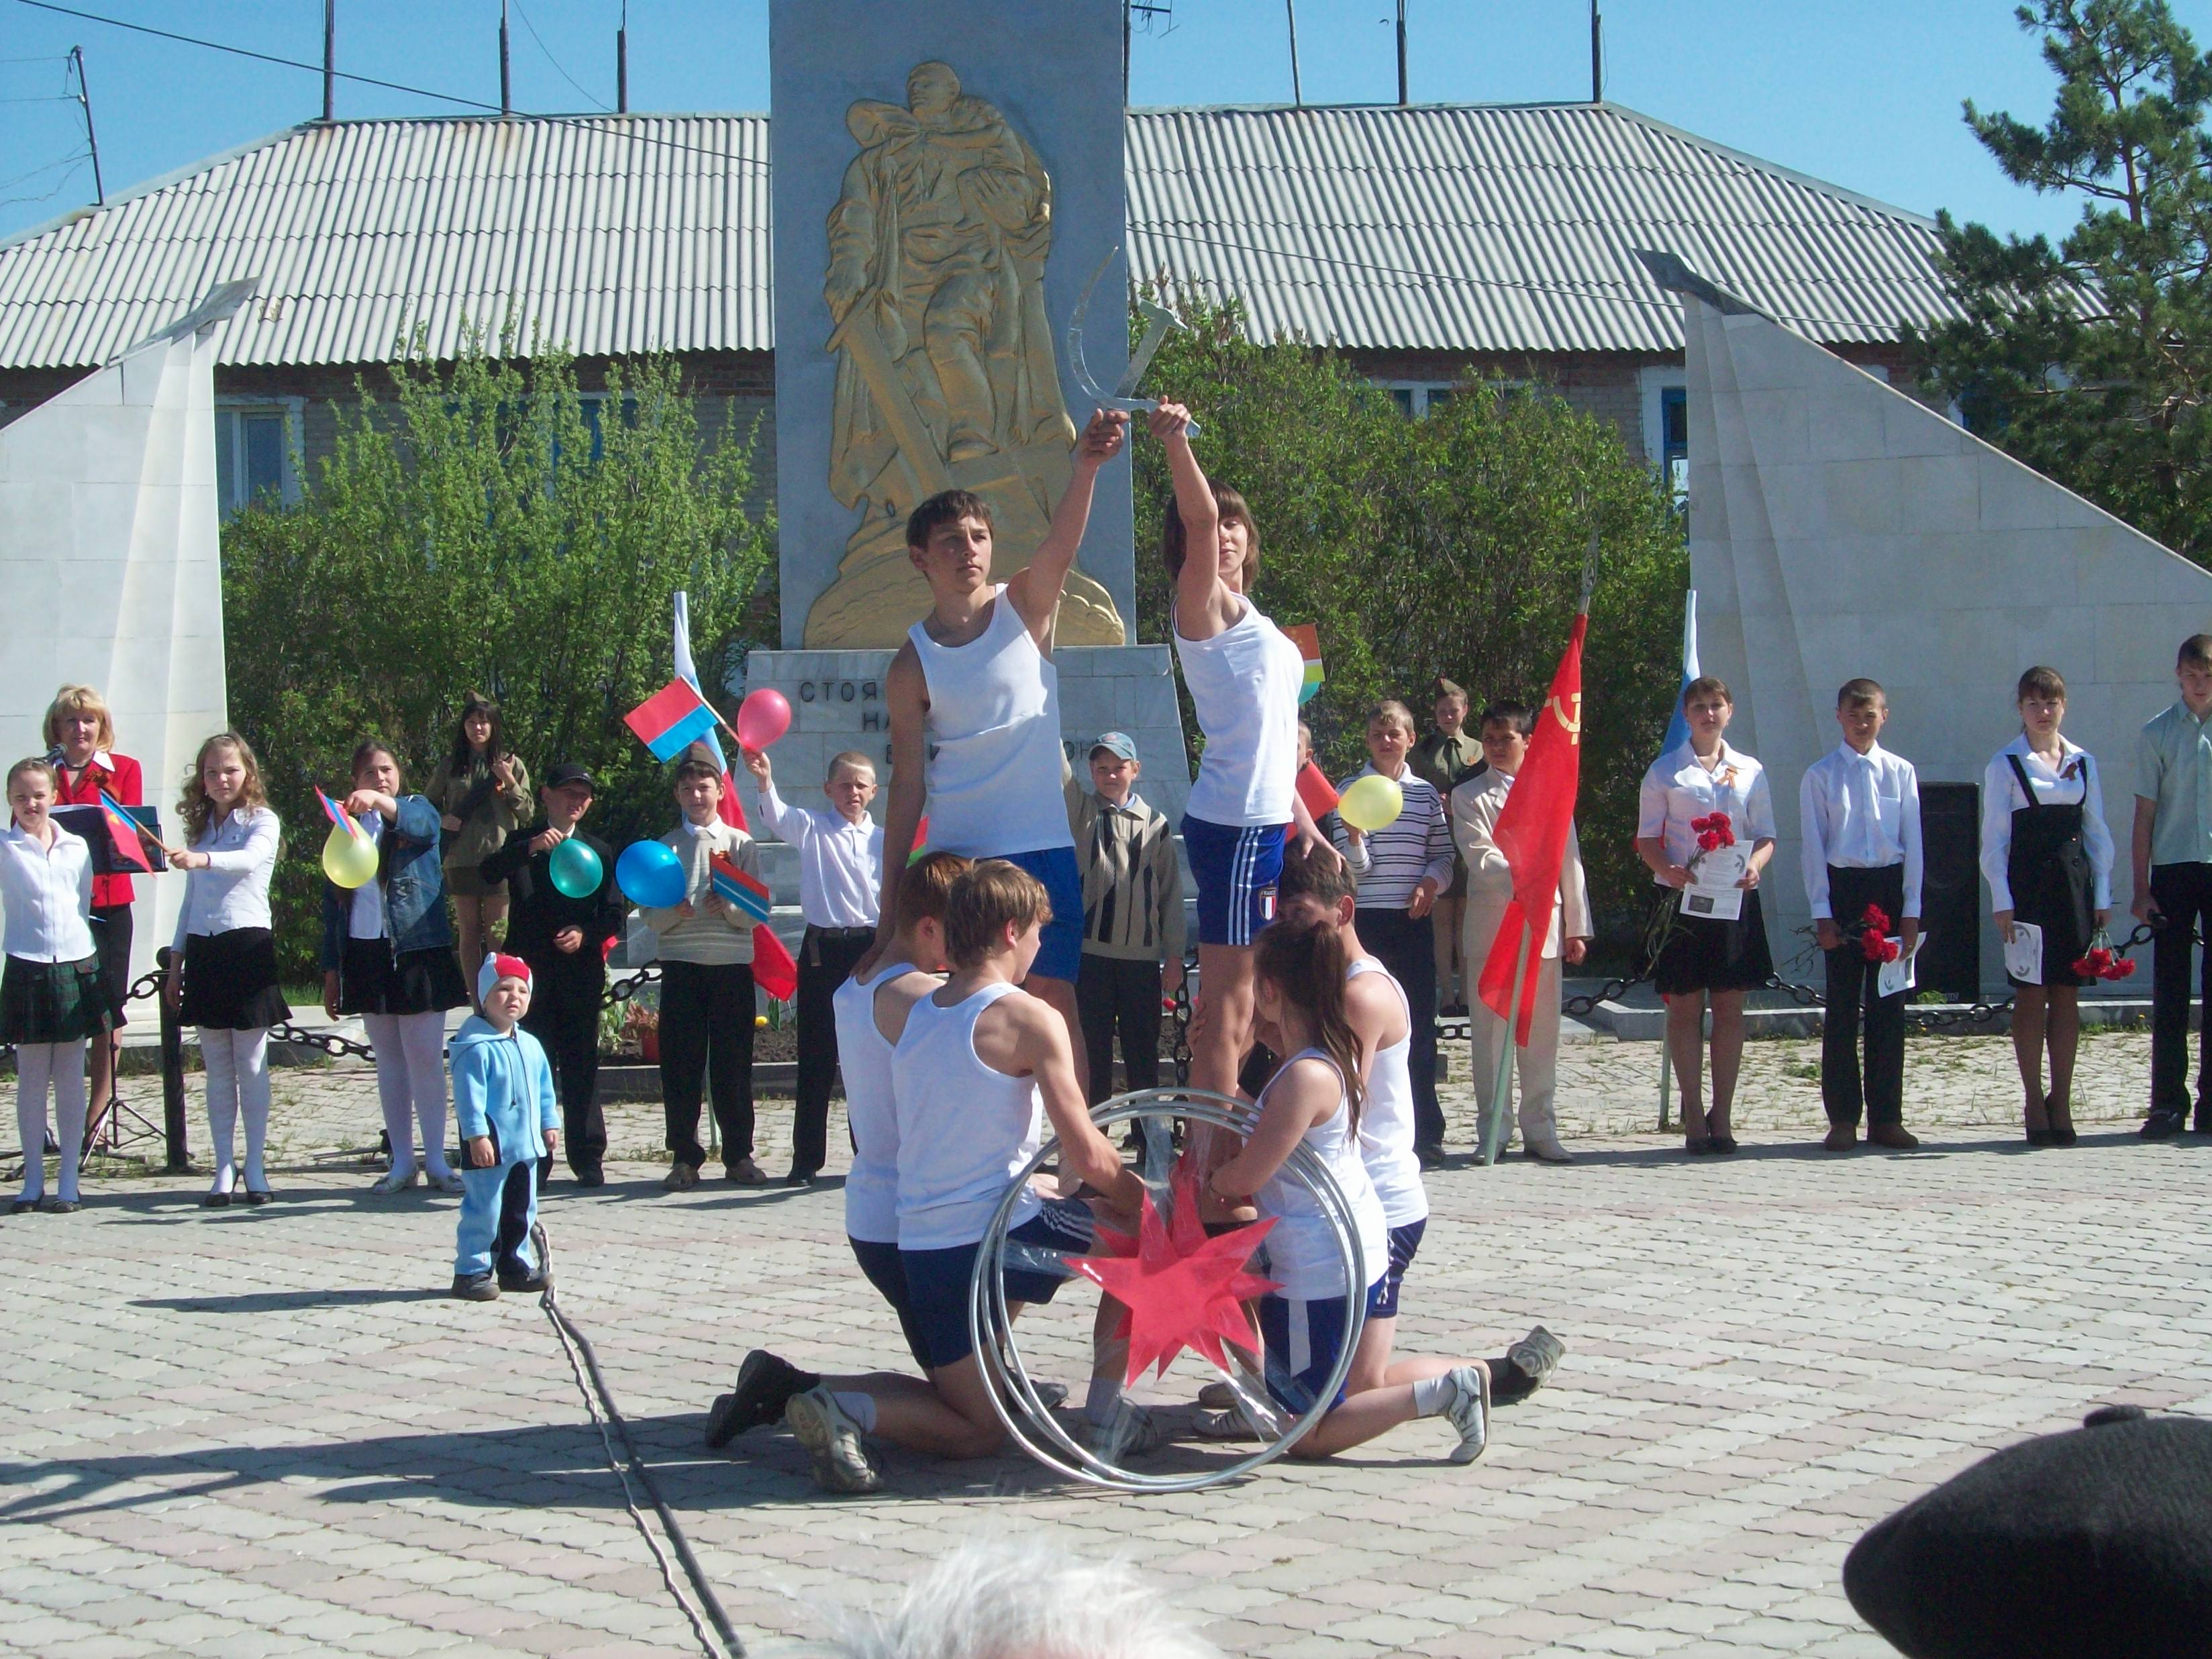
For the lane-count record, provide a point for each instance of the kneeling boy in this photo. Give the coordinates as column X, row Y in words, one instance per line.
column 508, row 1119
column 970, row 1067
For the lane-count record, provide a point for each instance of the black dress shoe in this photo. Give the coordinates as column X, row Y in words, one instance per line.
column 1429, row 1157
column 592, row 1177
column 2161, row 1125
column 258, row 1194
column 799, row 1178
column 1723, row 1143
column 23, row 1207
column 214, row 1200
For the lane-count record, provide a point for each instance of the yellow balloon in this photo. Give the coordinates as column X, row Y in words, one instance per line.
column 1370, row 803
column 349, row 861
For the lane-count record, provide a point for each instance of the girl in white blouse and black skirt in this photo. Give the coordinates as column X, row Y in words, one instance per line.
column 227, row 953
column 1707, row 958
column 2047, row 857
column 52, row 994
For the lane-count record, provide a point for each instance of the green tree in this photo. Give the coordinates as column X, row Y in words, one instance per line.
column 1451, row 545
column 487, row 527
column 2092, row 360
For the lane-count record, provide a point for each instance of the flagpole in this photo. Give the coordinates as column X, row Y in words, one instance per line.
column 1494, row 1130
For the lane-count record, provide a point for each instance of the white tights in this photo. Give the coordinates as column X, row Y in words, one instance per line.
column 237, row 1082
column 410, row 1080
column 61, row 1064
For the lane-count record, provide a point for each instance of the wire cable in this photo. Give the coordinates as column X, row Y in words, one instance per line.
column 558, row 67
column 599, row 1400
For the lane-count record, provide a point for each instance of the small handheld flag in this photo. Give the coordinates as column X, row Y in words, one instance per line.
column 734, row 886
column 1316, row 791
column 123, row 830
column 337, row 815
column 920, row 850
column 671, row 718
column 1307, row 638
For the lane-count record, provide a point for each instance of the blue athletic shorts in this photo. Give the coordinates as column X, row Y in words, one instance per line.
column 1059, row 951
column 880, row 1263
column 1237, row 867
column 1382, row 1294
column 937, row 1280
column 1303, row 1340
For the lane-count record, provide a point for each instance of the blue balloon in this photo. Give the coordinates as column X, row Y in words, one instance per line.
column 650, row 874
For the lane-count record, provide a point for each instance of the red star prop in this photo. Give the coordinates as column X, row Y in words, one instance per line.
column 1177, row 1287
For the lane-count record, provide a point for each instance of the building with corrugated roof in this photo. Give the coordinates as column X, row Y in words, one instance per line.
column 1425, row 241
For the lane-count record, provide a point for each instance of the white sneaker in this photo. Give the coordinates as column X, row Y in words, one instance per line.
column 833, row 1441
column 1230, row 1424
column 1130, row 1432
column 398, row 1181
column 1468, row 1408
column 1538, row 1354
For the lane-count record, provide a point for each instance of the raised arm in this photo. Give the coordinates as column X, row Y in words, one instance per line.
column 906, row 692
column 1203, row 605
column 1035, row 588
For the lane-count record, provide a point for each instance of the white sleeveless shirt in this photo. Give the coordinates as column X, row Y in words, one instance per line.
column 1301, row 1251
column 965, row 1131
column 865, row 1058
column 1386, row 1117
column 1244, row 684
column 994, row 731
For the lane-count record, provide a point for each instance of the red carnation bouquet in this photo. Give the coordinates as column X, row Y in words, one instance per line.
column 1713, row 831
column 1874, row 942
column 2101, row 960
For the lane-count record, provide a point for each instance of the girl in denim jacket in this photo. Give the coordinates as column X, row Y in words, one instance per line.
column 388, row 957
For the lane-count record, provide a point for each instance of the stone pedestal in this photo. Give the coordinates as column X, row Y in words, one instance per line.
column 837, row 702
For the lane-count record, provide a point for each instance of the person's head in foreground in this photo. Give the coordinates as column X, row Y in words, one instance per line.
column 995, row 912
column 1024, row 1601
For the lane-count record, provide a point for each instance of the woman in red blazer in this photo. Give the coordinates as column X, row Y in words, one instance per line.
column 81, row 737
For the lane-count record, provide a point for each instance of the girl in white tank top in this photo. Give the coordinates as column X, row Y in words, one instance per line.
column 965, row 1131
column 1386, row 1120
column 865, row 1058
column 1315, row 1100
column 993, row 728
column 1243, row 685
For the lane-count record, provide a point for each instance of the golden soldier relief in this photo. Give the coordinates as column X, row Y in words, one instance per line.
column 946, row 371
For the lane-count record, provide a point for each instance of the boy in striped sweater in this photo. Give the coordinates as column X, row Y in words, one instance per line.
column 1402, row 868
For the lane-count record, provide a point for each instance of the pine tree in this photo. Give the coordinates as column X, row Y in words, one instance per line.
column 2092, row 360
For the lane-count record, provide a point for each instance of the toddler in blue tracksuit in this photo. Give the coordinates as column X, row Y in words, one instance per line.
column 509, row 1119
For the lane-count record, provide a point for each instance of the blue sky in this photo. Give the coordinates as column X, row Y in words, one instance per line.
column 1865, row 95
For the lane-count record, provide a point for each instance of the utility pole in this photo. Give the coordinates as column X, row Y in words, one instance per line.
column 1597, row 55
column 505, row 87
column 621, row 63
column 1401, row 52
column 1298, row 95
column 91, row 138
column 329, row 59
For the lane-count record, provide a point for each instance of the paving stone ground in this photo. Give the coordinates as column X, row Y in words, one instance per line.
column 268, row 1431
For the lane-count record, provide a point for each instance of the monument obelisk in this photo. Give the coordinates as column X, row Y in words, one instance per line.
column 946, row 181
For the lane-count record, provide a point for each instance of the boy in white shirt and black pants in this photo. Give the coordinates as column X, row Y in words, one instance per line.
column 1860, row 808
column 840, row 854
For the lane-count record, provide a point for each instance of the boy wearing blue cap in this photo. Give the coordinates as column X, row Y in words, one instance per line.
column 504, row 1104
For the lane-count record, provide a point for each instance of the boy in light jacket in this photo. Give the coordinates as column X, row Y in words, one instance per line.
column 508, row 1117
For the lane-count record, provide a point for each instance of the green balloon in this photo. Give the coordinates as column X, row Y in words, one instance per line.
column 576, row 870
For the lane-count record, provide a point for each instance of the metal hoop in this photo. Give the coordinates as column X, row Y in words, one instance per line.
column 990, row 1327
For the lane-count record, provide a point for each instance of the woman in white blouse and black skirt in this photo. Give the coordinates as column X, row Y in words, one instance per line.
column 1707, row 958
column 2047, row 857
column 227, row 954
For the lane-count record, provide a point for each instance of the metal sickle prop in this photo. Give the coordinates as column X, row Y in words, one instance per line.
column 1159, row 321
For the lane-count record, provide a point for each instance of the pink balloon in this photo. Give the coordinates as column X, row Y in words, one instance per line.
column 762, row 717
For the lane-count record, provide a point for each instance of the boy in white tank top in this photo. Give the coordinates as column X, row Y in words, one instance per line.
column 871, row 1012
column 974, row 712
column 982, row 1069
column 1376, row 1006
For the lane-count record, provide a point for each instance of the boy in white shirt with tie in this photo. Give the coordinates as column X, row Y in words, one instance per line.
column 1860, row 807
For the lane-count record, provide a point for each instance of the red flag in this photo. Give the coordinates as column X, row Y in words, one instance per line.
column 773, row 970
column 1532, row 833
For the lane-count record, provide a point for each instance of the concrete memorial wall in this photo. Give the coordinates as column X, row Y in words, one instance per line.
column 109, row 571
column 1839, row 528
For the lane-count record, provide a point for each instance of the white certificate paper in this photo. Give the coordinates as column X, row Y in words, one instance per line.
column 1712, row 892
column 1898, row 975
column 2024, row 956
